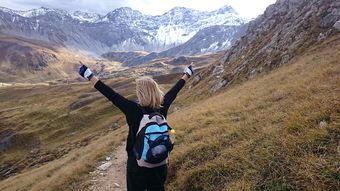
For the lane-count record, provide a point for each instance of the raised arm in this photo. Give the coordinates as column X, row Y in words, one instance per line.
column 171, row 95
column 125, row 105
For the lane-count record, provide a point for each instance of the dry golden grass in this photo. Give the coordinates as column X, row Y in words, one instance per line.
column 67, row 172
column 62, row 62
column 75, row 138
column 18, row 69
column 265, row 133
column 41, row 116
column 261, row 135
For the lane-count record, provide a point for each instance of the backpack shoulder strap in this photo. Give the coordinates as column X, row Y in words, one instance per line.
column 151, row 115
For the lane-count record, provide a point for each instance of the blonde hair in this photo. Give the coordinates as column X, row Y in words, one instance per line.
column 148, row 92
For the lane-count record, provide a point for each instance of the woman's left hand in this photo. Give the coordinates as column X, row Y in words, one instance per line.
column 189, row 71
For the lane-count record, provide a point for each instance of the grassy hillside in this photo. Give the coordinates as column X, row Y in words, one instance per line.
column 26, row 61
column 279, row 131
column 53, row 135
column 42, row 123
column 31, row 61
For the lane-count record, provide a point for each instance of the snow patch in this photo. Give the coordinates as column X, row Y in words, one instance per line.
column 86, row 17
column 226, row 43
column 173, row 34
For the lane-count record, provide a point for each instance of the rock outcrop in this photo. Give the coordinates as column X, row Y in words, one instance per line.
column 287, row 28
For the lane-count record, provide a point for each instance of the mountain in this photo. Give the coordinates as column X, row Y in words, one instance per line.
column 285, row 30
column 211, row 39
column 263, row 117
column 27, row 61
column 123, row 29
column 24, row 60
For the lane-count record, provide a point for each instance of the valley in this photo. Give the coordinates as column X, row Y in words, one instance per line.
column 282, row 120
column 261, row 112
column 27, row 61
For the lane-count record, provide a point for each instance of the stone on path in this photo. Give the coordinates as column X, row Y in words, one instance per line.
column 105, row 166
column 116, row 185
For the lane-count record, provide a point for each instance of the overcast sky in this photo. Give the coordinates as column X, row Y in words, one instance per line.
column 246, row 8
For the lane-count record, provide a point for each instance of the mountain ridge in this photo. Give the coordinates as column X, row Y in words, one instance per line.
column 30, row 61
column 265, row 116
column 123, row 29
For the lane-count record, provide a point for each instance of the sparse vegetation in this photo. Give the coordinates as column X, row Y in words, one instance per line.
column 56, row 143
column 41, row 127
column 277, row 132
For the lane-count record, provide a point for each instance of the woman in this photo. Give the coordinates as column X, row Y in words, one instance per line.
column 150, row 99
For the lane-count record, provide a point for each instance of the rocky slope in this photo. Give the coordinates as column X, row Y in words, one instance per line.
column 24, row 60
column 123, row 29
column 20, row 58
column 221, row 36
column 124, row 57
column 210, row 39
column 286, row 29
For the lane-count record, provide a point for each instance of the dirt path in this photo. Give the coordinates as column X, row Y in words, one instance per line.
column 112, row 178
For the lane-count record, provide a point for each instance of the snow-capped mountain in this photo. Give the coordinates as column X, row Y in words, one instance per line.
column 33, row 12
column 210, row 39
column 176, row 26
column 123, row 29
column 86, row 17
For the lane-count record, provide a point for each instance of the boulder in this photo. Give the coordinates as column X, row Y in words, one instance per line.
column 218, row 85
column 337, row 25
column 285, row 59
column 329, row 20
column 333, row 17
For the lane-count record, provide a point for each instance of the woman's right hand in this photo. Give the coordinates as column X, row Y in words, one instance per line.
column 85, row 72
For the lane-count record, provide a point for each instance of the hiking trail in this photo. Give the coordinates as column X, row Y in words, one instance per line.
column 110, row 175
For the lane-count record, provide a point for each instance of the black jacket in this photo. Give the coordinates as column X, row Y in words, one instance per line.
column 134, row 113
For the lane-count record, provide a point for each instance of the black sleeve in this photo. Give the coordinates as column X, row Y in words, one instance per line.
column 125, row 105
column 172, row 93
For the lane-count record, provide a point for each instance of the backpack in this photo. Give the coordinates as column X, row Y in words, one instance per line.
column 152, row 144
